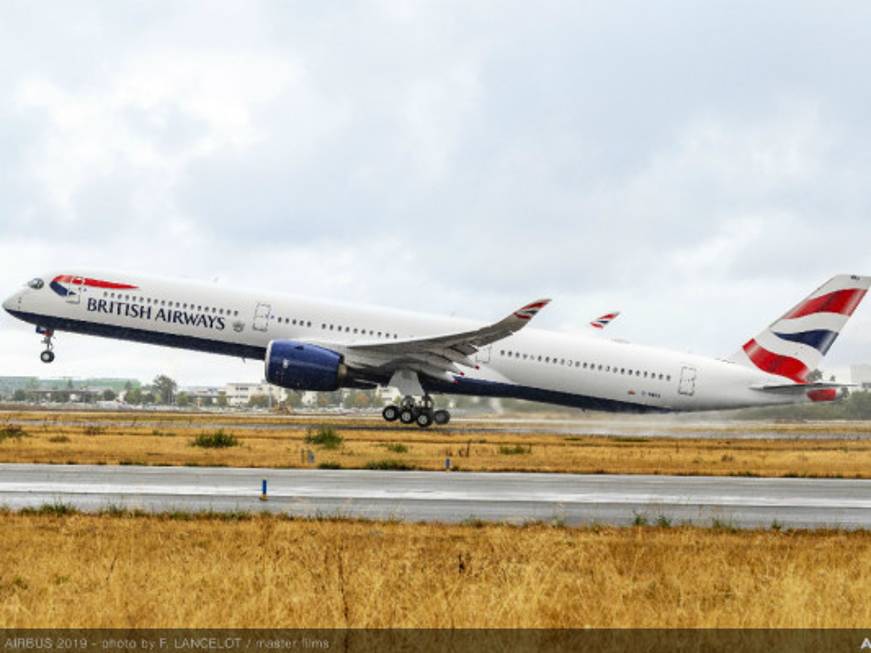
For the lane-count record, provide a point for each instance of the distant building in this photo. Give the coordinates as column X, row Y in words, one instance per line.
column 239, row 394
column 861, row 375
column 204, row 395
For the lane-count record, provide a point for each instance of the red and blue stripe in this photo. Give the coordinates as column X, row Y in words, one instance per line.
column 773, row 363
column 843, row 302
column 63, row 291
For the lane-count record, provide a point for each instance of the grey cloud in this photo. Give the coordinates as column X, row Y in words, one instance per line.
column 694, row 162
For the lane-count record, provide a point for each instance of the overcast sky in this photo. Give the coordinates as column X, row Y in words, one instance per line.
column 700, row 166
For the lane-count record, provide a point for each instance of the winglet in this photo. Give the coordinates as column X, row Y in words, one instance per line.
column 530, row 310
column 604, row 320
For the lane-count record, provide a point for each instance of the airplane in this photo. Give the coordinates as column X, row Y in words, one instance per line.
column 311, row 344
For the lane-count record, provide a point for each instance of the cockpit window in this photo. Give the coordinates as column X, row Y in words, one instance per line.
column 36, row 284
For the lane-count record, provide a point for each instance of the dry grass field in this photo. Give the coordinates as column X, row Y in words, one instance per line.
column 166, row 439
column 150, row 571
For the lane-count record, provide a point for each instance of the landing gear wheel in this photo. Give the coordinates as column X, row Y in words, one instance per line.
column 406, row 416
column 424, row 419
column 441, row 417
column 390, row 413
column 47, row 356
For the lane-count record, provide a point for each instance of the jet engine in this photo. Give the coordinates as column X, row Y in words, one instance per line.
column 301, row 366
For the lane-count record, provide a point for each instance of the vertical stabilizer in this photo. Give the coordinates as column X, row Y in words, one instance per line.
column 794, row 345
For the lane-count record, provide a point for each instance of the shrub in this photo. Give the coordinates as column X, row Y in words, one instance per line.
column 216, row 440
column 515, row 450
column 94, row 430
column 329, row 466
column 57, row 509
column 325, row 437
column 396, row 447
column 11, row 431
column 723, row 525
column 59, row 438
column 388, row 464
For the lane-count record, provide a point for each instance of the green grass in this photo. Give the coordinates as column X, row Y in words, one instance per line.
column 216, row 440
column 325, row 437
column 56, row 509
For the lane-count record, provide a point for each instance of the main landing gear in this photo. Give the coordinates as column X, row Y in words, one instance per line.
column 421, row 413
column 47, row 356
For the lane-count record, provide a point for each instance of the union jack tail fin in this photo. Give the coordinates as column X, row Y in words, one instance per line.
column 604, row 320
column 794, row 345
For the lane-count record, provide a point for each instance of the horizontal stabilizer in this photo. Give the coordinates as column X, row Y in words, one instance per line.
column 801, row 388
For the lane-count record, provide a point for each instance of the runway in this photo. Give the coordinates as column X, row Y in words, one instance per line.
column 656, row 426
column 448, row 497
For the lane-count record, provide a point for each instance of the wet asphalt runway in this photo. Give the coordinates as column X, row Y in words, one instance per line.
column 449, row 497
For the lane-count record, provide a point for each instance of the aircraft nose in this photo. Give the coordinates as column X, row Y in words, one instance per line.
column 8, row 304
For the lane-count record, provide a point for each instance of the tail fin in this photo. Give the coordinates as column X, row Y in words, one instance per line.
column 794, row 345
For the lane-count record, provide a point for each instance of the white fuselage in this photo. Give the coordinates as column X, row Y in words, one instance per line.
column 572, row 369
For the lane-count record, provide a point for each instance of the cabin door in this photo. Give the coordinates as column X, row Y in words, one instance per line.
column 261, row 317
column 687, row 381
column 74, row 296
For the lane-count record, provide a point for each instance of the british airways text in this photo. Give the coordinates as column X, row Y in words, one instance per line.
column 170, row 316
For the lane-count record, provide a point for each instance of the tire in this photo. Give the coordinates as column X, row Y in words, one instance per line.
column 390, row 413
column 406, row 416
column 424, row 419
column 46, row 356
column 441, row 417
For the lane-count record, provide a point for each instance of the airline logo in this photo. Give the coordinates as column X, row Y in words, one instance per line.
column 154, row 313
column 65, row 284
column 794, row 345
column 604, row 320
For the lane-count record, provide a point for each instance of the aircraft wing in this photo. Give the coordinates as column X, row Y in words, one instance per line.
column 439, row 356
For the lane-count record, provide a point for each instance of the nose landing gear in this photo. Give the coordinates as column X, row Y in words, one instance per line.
column 47, row 356
column 421, row 413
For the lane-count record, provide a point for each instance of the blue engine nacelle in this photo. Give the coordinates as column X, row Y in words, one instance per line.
column 301, row 366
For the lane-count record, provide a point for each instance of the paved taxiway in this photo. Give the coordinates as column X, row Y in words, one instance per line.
column 448, row 497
